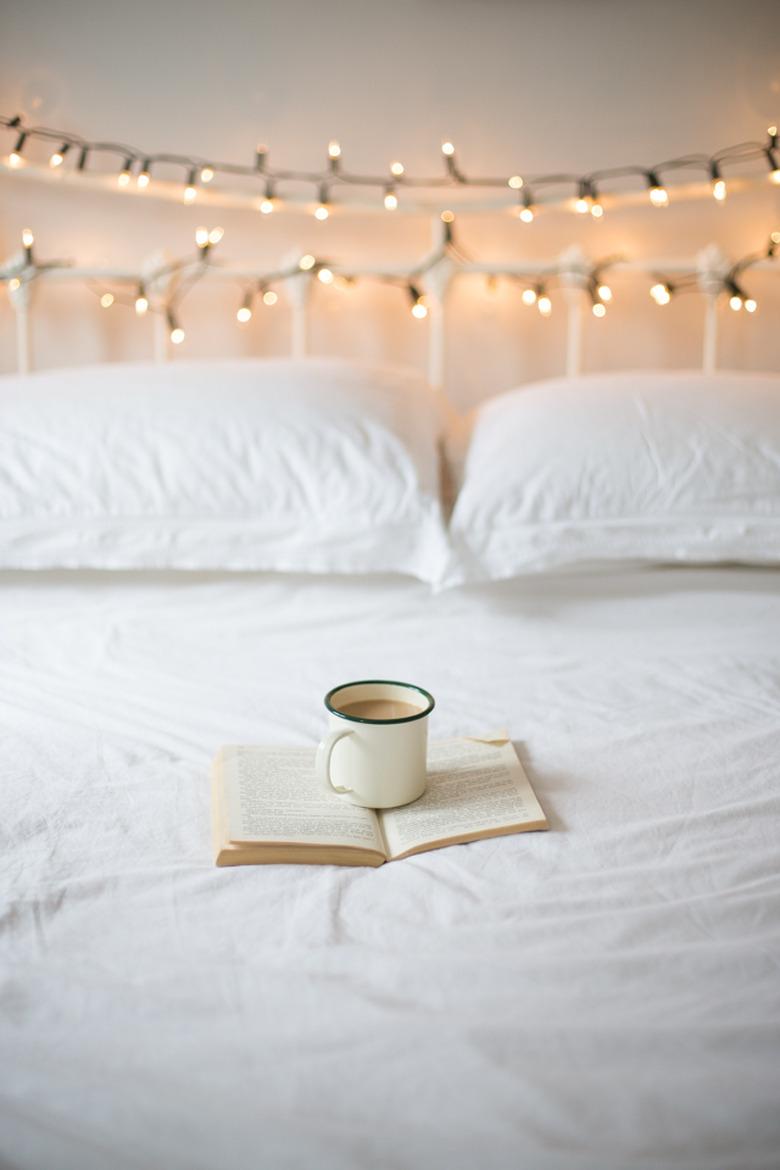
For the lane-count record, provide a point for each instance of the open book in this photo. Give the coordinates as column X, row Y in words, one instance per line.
column 268, row 806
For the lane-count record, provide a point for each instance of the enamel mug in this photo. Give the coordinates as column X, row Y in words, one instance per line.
column 376, row 762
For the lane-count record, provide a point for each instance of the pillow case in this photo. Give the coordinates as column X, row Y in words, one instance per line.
column 646, row 466
column 320, row 466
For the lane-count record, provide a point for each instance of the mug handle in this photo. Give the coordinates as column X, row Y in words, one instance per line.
column 324, row 752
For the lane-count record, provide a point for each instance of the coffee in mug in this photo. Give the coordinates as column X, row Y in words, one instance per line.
column 375, row 753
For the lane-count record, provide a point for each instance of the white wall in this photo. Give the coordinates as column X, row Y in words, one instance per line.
column 526, row 86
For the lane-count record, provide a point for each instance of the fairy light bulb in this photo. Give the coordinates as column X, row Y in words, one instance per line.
column 544, row 305
column 15, row 157
column 596, row 209
column 28, row 239
column 735, row 302
column 397, row 169
column 123, row 178
column 190, row 190
column 605, row 292
column 582, row 205
column 144, row 177
column 141, row 302
column 750, row 305
column 202, row 237
column 526, row 214
column 177, row 335
column 528, row 296
column 244, row 313
column 266, row 205
column 391, row 200
column 659, row 196
column 307, row 262
column 321, row 212
column 661, row 294
column 774, row 176
column 58, row 158
column 599, row 310
column 447, row 149
column 215, row 235
column 325, row 276
column 419, row 309
column 270, row 297
column 717, row 183
column 14, row 284
column 447, row 216
column 107, row 300
column 206, row 174
column 334, row 149
column 515, row 182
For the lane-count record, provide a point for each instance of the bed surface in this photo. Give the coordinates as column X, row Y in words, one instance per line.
column 602, row 996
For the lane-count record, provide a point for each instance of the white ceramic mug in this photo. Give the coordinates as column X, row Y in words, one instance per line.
column 377, row 763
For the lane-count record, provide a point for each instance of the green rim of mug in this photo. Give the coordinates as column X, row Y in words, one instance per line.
column 387, row 682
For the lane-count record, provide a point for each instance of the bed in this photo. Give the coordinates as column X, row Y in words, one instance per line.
column 601, row 996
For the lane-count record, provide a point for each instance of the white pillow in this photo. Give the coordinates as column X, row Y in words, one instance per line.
column 621, row 467
column 322, row 466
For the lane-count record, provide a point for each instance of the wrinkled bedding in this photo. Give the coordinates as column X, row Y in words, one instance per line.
column 605, row 995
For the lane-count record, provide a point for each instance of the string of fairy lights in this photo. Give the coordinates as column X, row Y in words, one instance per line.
column 163, row 289
column 583, row 192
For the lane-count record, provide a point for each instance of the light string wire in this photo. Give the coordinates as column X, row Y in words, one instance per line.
column 198, row 171
column 163, row 289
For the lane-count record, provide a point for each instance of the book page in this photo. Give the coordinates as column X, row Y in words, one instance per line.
column 476, row 787
column 273, row 794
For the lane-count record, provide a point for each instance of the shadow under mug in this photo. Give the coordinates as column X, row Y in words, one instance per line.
column 376, row 763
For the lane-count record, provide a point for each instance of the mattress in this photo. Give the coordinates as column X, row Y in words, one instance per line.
column 605, row 995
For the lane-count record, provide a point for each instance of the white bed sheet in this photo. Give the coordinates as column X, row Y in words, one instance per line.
column 602, row 996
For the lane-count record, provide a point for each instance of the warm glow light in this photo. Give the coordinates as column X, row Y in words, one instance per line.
column 325, row 275
column 660, row 294
column 123, row 178
column 14, row 283
column 544, row 305
column 321, row 212
column 28, row 239
column 528, row 296
column 143, row 179
column 751, row 305
column 266, row 206
column 216, row 234
column 419, row 310
column 206, row 174
column 391, row 201
column 515, row 182
column 202, row 237
column 141, row 304
column 659, row 196
column 107, row 300
column 582, row 205
column 177, row 335
column 775, row 237
column 190, row 194
column 244, row 314
column 719, row 189
column 14, row 159
column 774, row 175
column 605, row 292
column 599, row 310
column 270, row 297
column 447, row 149
column 596, row 210
column 735, row 302
column 397, row 169
column 334, row 149
column 57, row 159
column 448, row 216
column 526, row 214
column 306, row 262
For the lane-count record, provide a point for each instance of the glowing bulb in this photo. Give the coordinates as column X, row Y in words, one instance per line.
column 28, row 239
column 719, row 189
column 397, row 169
column 141, row 304
column 123, row 178
column 321, row 212
column 202, row 237
column 107, row 300
column 528, row 296
column 515, row 182
column 325, row 275
column 419, row 310
column 391, row 201
column 306, row 262
column 526, row 214
column 605, row 292
column 270, row 297
column 190, row 194
column 14, row 159
column 582, row 205
column 735, row 302
column 244, row 314
column 14, row 283
column 448, row 216
column 447, row 149
column 334, row 149
column 143, row 180
column 659, row 196
column 751, row 305
column 599, row 310
column 544, row 305
column 266, row 206
column 57, row 159
column 774, row 175
column 216, row 234
column 661, row 294
column 596, row 210
column 206, row 174
column 775, row 237
column 177, row 335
